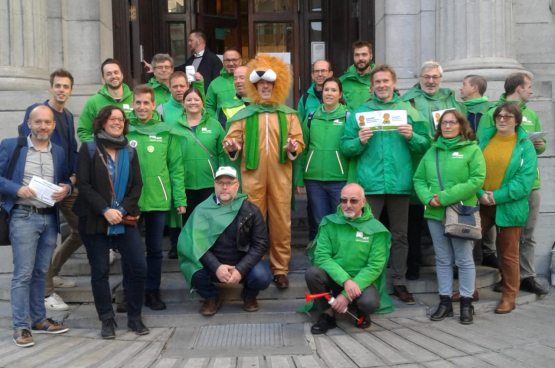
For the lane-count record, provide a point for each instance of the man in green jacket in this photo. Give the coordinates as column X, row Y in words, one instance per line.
column 518, row 88
column 222, row 89
column 384, row 167
column 472, row 93
column 114, row 92
column 349, row 257
column 427, row 96
column 309, row 102
column 230, row 107
column 160, row 157
column 173, row 109
column 162, row 66
column 356, row 81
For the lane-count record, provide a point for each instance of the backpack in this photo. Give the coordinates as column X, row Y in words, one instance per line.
column 311, row 115
column 91, row 146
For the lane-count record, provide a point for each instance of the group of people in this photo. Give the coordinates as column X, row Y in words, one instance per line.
column 218, row 159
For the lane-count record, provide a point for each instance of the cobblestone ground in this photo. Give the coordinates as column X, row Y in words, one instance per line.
column 523, row 338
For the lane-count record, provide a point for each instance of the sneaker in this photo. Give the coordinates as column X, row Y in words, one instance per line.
column 60, row 282
column 49, row 326
column 55, row 303
column 113, row 256
column 23, row 338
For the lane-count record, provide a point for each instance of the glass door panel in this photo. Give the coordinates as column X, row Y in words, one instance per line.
column 265, row 6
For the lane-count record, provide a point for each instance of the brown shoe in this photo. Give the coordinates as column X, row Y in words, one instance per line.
column 210, row 306
column 282, row 282
column 249, row 304
column 456, row 298
column 505, row 307
column 401, row 292
column 49, row 326
column 23, row 338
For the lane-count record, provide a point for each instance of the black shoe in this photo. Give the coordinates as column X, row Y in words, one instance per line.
column 413, row 273
column 366, row 322
column 530, row 285
column 138, row 327
column 172, row 254
column 498, row 288
column 490, row 260
column 122, row 306
column 324, row 323
column 467, row 311
column 444, row 310
column 154, row 302
column 108, row 330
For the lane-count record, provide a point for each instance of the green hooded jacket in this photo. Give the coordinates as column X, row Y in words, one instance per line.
column 160, row 157
column 356, row 87
column 162, row 93
column 530, row 123
column 512, row 198
column 199, row 167
column 463, row 171
column 207, row 222
column 221, row 89
column 95, row 104
column 322, row 159
column 355, row 250
column 170, row 111
column 384, row 162
column 312, row 103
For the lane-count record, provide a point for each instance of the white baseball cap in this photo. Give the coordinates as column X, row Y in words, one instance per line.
column 226, row 171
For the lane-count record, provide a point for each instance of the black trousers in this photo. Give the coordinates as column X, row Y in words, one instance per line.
column 414, row 235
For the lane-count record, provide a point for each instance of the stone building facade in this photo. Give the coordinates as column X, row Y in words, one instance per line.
column 492, row 38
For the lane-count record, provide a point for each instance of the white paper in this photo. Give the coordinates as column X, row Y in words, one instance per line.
column 190, row 72
column 437, row 114
column 381, row 120
column 318, row 51
column 44, row 190
column 536, row 135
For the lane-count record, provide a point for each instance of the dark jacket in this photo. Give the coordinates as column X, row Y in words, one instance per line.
column 251, row 239
column 10, row 187
column 209, row 67
column 94, row 190
column 71, row 156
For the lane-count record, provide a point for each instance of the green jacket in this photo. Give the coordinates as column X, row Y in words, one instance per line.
column 356, row 87
column 95, row 104
column 355, row 250
column 199, row 167
column 170, row 111
column 463, row 171
column 530, row 123
column 160, row 157
column 384, row 162
column 311, row 103
column 162, row 93
column 220, row 90
column 321, row 159
column 512, row 198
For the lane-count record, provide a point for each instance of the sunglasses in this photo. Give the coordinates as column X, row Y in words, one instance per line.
column 350, row 200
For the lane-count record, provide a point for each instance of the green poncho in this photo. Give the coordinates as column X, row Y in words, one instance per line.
column 207, row 222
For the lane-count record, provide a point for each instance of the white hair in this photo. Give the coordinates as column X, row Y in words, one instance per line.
column 427, row 65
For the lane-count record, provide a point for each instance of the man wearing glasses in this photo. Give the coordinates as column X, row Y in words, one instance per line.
column 222, row 88
column 224, row 241
column 309, row 102
column 349, row 258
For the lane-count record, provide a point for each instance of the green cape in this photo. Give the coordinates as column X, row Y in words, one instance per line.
column 368, row 225
column 207, row 222
column 478, row 105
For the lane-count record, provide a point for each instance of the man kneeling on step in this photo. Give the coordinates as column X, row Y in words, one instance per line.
column 224, row 241
column 349, row 257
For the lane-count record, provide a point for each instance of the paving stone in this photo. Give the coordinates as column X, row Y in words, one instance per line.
column 385, row 351
column 438, row 364
column 166, row 363
column 477, row 334
column 430, row 344
column 470, row 362
column 280, row 361
column 308, row 361
column 541, row 350
column 455, row 342
column 331, row 354
column 528, row 358
column 126, row 354
column 60, row 348
column 500, row 361
column 250, row 362
column 357, row 352
column 74, row 353
column 146, row 356
column 417, row 353
column 196, row 363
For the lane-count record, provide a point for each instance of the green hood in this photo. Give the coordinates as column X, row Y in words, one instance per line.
column 503, row 99
column 416, row 91
column 478, row 105
column 352, row 71
column 154, row 83
column 153, row 126
column 126, row 93
column 235, row 102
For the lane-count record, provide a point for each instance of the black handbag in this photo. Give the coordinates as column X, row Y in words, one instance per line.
column 4, row 215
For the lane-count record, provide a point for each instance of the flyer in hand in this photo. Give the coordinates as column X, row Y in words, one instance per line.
column 382, row 119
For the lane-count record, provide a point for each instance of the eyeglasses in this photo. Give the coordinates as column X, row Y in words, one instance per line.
column 163, row 67
column 226, row 183
column 432, row 77
column 505, row 117
column 231, row 60
column 351, row 200
column 449, row 122
column 121, row 120
column 321, row 71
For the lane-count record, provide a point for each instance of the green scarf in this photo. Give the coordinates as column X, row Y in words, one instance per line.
column 476, row 101
column 449, row 143
column 207, row 222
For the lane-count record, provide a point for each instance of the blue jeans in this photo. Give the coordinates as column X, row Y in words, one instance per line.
column 323, row 199
column 130, row 246
column 33, row 240
column 451, row 251
column 258, row 278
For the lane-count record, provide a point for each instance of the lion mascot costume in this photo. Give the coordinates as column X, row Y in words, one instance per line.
column 268, row 137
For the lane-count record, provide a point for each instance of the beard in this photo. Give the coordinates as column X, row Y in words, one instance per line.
column 363, row 68
column 350, row 214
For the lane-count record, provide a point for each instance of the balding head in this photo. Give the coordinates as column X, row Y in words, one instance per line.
column 42, row 123
column 352, row 200
column 239, row 78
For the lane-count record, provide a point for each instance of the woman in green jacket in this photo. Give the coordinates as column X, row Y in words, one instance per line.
column 203, row 153
column 511, row 166
column 322, row 167
column 462, row 172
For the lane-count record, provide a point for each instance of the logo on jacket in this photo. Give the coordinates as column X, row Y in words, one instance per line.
column 457, row 155
column 133, row 143
column 205, row 130
column 126, row 107
column 361, row 238
column 155, row 137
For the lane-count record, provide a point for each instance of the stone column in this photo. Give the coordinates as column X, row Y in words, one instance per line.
column 23, row 45
column 476, row 37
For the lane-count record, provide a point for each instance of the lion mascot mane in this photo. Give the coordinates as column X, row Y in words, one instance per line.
column 271, row 69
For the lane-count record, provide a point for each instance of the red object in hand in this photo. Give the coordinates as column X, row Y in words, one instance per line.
column 310, row 297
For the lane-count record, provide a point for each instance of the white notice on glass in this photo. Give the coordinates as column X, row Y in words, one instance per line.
column 437, row 114
column 190, row 72
column 381, row 120
column 44, row 190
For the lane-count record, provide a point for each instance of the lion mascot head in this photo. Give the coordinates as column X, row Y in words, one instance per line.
column 271, row 69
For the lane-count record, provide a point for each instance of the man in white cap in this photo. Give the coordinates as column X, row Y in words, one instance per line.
column 224, row 241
